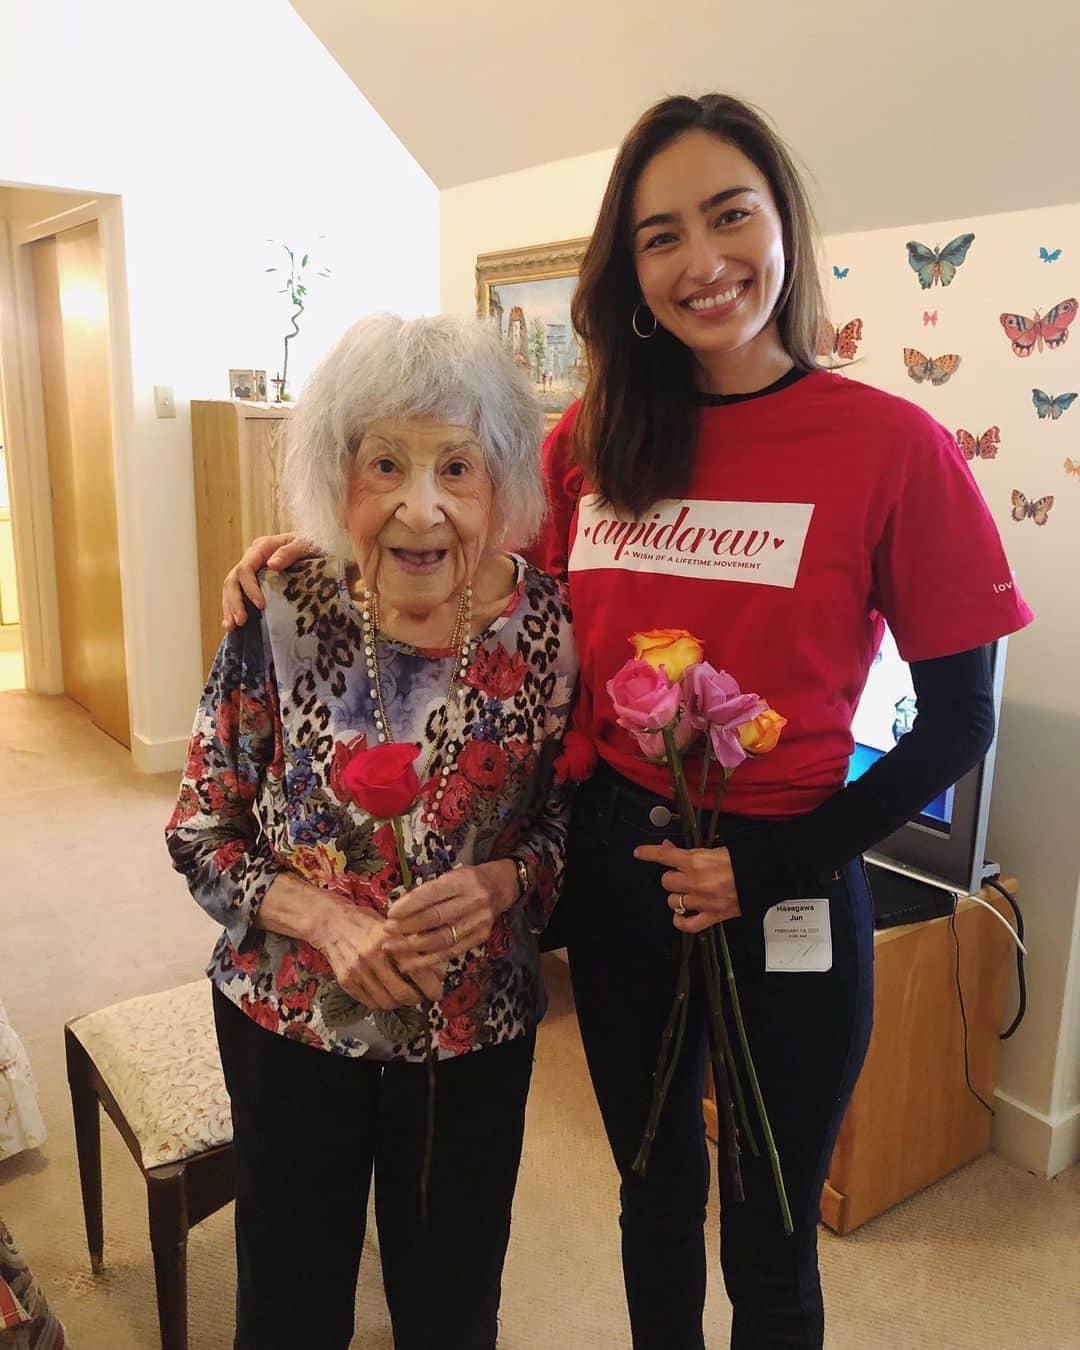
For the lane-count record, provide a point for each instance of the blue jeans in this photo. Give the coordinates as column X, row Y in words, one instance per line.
column 808, row 1033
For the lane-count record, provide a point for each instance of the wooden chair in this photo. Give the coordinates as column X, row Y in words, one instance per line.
column 152, row 1063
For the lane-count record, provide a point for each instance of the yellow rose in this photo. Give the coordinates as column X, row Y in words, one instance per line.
column 760, row 734
column 672, row 648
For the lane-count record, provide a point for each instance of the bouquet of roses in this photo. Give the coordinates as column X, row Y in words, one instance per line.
column 674, row 703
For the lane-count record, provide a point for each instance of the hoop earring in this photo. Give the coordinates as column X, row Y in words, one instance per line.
column 634, row 321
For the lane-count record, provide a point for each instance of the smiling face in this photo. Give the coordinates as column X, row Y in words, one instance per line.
column 419, row 512
column 708, row 249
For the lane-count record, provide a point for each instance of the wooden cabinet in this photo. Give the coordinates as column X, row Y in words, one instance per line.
column 912, row 1118
column 236, row 454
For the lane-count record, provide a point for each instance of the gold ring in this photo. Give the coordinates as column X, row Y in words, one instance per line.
column 453, row 935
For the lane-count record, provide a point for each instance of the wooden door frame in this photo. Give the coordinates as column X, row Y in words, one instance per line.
column 24, row 430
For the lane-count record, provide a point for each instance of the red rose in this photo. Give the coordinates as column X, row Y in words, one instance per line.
column 578, row 758
column 343, row 753
column 484, row 764
column 460, row 1000
column 498, row 674
column 458, row 1035
column 382, row 781
column 261, row 1012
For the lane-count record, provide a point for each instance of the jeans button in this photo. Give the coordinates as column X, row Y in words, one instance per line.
column 660, row 816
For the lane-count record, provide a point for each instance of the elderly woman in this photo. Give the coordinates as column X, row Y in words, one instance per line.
column 413, row 449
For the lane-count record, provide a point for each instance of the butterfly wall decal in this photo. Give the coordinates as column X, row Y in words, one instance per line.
column 842, row 342
column 935, row 265
column 1072, row 466
column 929, row 316
column 979, row 447
column 1046, row 406
column 840, row 272
column 1047, row 256
column 1028, row 335
column 936, row 369
column 1038, row 510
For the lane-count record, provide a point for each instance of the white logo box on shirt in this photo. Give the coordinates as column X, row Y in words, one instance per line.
column 757, row 542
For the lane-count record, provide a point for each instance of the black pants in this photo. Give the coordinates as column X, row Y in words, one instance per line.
column 308, row 1127
column 808, row 1034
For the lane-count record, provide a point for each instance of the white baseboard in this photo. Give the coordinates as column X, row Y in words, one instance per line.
column 1042, row 1144
column 158, row 756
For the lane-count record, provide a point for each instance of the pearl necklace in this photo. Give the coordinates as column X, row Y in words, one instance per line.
column 461, row 642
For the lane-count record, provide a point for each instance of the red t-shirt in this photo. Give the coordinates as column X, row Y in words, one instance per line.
column 814, row 512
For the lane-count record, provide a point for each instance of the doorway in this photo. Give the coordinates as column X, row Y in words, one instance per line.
column 12, row 673
column 71, row 307
column 58, row 385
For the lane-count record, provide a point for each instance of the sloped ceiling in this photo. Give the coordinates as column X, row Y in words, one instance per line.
column 901, row 112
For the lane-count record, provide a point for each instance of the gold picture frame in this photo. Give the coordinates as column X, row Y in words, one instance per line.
column 527, row 293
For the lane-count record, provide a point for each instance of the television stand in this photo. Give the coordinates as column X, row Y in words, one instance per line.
column 912, row 1119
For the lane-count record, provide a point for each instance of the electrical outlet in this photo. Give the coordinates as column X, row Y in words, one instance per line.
column 163, row 400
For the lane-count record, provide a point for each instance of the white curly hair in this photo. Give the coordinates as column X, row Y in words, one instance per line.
column 449, row 368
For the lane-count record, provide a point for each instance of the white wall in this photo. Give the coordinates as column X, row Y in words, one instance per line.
column 1036, row 802
column 219, row 125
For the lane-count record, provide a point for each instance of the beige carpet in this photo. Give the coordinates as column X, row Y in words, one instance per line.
column 90, row 912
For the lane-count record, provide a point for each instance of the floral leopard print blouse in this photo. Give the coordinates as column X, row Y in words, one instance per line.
column 286, row 703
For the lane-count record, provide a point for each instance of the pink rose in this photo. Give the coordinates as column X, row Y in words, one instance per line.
column 645, row 702
column 716, row 704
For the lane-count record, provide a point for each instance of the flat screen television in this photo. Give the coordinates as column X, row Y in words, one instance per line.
column 945, row 844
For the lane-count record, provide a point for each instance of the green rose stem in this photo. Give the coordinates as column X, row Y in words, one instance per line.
column 429, row 1051
column 668, row 1058
column 717, row 939
column 720, row 1052
column 713, row 981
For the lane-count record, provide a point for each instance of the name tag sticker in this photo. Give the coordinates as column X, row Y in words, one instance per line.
column 798, row 936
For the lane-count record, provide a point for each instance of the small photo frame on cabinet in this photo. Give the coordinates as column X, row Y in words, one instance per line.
column 242, row 384
column 526, row 293
column 260, row 385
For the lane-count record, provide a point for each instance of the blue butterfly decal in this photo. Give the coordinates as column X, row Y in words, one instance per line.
column 1047, row 256
column 840, row 273
column 938, row 265
column 1046, row 406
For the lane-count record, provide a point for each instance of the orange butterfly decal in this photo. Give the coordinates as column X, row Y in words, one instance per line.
column 1038, row 510
column 979, row 447
column 1028, row 335
column 842, row 342
column 1072, row 466
column 936, row 369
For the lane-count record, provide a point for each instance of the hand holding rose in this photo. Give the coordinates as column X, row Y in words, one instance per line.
column 445, row 917
column 701, row 879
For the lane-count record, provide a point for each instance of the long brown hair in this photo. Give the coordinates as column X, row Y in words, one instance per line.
column 636, row 430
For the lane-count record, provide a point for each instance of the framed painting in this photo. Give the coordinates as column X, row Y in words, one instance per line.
column 526, row 293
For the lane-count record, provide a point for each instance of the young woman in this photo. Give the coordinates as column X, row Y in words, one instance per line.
column 781, row 513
